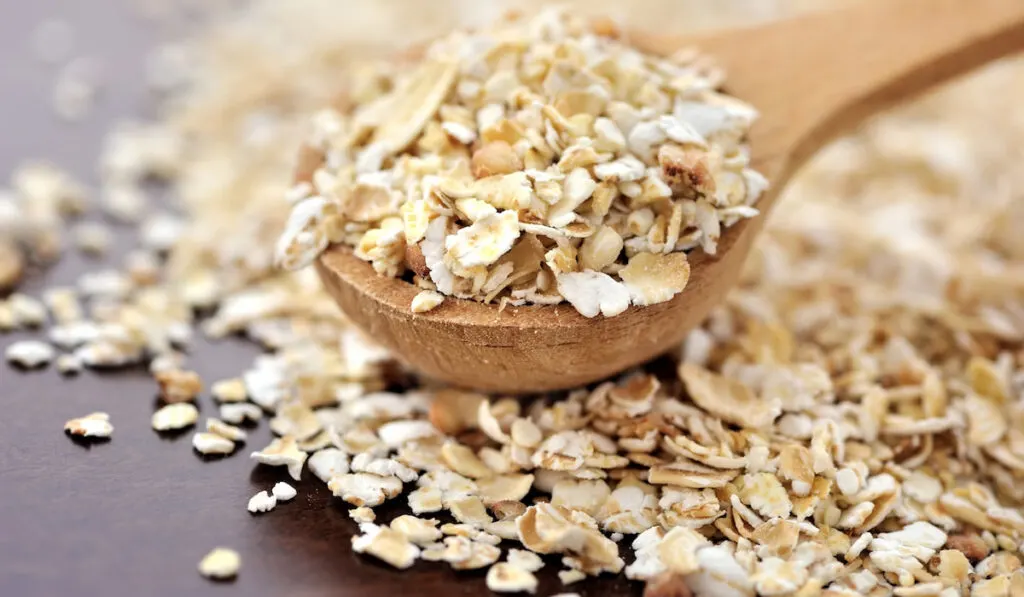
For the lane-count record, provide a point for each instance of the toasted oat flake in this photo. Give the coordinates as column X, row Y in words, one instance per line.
column 220, row 563
column 652, row 278
column 362, row 514
column 283, row 451
column 92, row 425
column 386, row 545
column 178, row 386
column 421, row 531
column 729, row 399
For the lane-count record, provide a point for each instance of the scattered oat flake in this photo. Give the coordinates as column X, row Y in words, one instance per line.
column 571, row 576
column 212, row 443
column 262, row 502
column 92, row 425
column 69, row 364
column 362, row 514
column 283, row 451
column 503, row 577
column 178, row 385
column 240, row 413
column 229, row 390
column 226, row 431
column 525, row 560
column 386, row 545
column 220, row 563
column 283, row 491
column 173, row 417
column 327, row 463
column 421, row 531
column 30, row 354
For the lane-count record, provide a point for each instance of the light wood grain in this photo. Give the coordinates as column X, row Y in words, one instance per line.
column 811, row 78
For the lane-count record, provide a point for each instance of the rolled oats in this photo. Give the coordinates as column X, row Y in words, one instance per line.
column 853, row 401
column 552, row 155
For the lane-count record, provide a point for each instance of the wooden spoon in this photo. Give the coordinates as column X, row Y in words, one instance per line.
column 810, row 77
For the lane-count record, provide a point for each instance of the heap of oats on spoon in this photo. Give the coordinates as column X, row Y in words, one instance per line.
column 539, row 141
column 849, row 423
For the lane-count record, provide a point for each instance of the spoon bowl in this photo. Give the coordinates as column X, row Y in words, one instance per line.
column 810, row 78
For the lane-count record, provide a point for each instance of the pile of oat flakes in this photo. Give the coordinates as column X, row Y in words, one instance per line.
column 849, row 423
column 535, row 141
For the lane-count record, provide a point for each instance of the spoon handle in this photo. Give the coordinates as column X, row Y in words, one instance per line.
column 811, row 77
column 854, row 63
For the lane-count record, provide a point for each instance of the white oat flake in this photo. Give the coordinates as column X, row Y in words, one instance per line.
column 173, row 417
column 211, row 443
column 262, row 502
column 30, row 354
column 236, row 413
column 220, row 563
column 282, row 451
column 283, row 491
column 92, row 425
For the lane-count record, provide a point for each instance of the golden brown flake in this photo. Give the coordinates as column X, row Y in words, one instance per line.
column 177, row 385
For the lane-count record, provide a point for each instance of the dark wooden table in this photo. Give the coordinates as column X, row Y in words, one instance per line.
column 133, row 516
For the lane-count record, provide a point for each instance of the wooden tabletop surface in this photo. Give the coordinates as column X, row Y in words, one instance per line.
column 134, row 515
